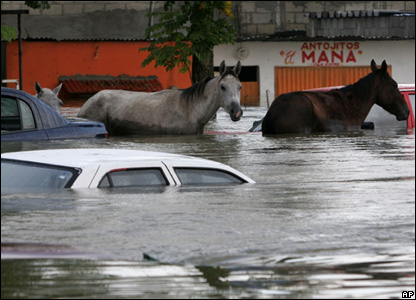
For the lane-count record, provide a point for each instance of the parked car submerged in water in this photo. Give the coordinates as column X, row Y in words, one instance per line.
column 377, row 117
column 110, row 168
column 26, row 118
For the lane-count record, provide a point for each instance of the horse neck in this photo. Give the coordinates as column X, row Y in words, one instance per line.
column 206, row 105
column 364, row 93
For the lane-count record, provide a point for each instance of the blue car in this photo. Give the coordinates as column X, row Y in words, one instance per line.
column 26, row 118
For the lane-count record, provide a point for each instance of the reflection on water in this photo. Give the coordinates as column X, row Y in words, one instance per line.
column 331, row 216
column 323, row 277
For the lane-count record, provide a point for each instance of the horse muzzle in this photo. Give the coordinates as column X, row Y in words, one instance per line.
column 235, row 112
column 403, row 115
column 236, row 116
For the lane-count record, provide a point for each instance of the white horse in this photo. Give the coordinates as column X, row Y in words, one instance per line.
column 49, row 96
column 169, row 111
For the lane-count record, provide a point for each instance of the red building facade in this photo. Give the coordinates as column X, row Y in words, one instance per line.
column 46, row 61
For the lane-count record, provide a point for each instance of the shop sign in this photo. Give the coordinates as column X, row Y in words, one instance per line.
column 323, row 54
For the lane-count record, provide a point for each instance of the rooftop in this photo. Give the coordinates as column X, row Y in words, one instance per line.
column 91, row 84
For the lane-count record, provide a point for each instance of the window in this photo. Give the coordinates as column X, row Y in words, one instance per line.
column 10, row 119
column 195, row 176
column 9, row 107
column 28, row 122
column 16, row 115
column 21, row 174
column 134, row 177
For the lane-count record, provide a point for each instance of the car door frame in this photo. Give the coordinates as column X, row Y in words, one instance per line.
column 104, row 169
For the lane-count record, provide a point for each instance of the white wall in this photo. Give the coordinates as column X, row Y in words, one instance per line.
column 400, row 54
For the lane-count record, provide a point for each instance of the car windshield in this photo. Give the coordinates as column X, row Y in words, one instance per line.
column 29, row 175
column 197, row 176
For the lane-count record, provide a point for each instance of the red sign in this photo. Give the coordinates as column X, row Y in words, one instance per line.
column 324, row 54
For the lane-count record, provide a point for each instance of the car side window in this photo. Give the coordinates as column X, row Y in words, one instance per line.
column 198, row 176
column 28, row 121
column 9, row 107
column 16, row 115
column 134, row 178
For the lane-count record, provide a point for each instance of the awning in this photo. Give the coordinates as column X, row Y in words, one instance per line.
column 92, row 84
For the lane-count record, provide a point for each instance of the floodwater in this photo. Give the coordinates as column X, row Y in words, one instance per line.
column 331, row 216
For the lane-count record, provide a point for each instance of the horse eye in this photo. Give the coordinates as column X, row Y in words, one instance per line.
column 240, row 87
column 223, row 87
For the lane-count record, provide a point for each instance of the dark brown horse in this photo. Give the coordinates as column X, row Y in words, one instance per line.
column 336, row 110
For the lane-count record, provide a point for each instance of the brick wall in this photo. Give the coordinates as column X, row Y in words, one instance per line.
column 366, row 27
column 252, row 17
column 267, row 17
column 79, row 7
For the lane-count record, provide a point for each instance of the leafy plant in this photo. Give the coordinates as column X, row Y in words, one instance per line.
column 38, row 4
column 191, row 31
column 9, row 33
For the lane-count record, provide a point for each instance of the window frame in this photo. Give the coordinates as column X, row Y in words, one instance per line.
column 107, row 176
column 233, row 175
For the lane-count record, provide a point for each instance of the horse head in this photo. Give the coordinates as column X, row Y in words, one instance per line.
column 50, row 97
column 388, row 94
column 229, row 90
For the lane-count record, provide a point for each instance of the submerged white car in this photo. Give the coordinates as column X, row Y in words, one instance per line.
column 108, row 168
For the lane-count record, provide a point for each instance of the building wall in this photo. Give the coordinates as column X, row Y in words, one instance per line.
column 45, row 61
column 80, row 7
column 400, row 54
column 268, row 17
column 127, row 19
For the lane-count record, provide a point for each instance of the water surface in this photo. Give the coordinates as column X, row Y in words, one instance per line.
column 331, row 216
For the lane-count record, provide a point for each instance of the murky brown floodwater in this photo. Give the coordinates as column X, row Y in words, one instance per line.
column 331, row 216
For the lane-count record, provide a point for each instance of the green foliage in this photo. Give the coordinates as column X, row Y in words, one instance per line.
column 192, row 31
column 38, row 4
column 8, row 33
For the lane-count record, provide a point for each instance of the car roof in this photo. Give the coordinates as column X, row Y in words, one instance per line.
column 92, row 156
column 406, row 87
column 93, row 161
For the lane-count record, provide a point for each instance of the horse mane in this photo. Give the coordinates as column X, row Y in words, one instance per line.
column 228, row 71
column 360, row 89
column 195, row 90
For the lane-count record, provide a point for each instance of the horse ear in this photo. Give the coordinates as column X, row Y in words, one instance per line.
column 373, row 65
column 222, row 67
column 384, row 67
column 38, row 89
column 57, row 89
column 237, row 68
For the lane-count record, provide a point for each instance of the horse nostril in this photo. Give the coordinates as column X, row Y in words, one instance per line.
column 237, row 115
column 235, row 111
